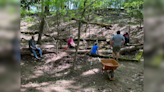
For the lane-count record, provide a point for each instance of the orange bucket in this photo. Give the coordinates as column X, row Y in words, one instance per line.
column 66, row 48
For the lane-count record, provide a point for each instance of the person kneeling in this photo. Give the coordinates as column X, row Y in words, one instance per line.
column 71, row 43
column 94, row 51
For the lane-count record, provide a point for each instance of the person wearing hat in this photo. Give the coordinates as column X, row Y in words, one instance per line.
column 70, row 42
column 126, row 36
column 94, row 50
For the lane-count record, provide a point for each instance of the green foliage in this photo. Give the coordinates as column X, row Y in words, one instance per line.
column 93, row 86
column 109, row 21
column 30, row 19
column 26, row 12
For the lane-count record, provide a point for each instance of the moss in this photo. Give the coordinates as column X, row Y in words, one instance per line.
column 121, row 58
column 138, row 57
column 157, row 60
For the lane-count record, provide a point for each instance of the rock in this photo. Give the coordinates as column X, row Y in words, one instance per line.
column 141, row 80
column 141, row 77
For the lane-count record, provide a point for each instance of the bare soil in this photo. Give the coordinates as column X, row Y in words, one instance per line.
column 52, row 74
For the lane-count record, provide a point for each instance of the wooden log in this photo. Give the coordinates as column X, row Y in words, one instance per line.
column 31, row 33
column 39, row 46
column 95, row 23
column 65, row 39
column 26, row 51
column 131, row 48
column 134, row 44
column 120, row 58
column 126, row 49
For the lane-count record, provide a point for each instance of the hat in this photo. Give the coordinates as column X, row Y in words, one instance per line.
column 126, row 31
column 95, row 42
column 71, row 36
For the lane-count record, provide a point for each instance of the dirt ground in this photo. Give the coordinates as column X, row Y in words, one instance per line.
column 52, row 74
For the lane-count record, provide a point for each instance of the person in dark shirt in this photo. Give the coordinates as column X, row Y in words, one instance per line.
column 33, row 48
column 126, row 36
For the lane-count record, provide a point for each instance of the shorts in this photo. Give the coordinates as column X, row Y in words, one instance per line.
column 116, row 49
column 94, row 55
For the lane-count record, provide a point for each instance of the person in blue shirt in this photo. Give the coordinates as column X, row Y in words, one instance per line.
column 94, row 50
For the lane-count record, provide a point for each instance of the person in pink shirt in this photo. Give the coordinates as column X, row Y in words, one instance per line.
column 71, row 43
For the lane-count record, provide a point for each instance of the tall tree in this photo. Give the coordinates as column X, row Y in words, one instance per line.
column 41, row 27
column 47, row 7
column 83, row 6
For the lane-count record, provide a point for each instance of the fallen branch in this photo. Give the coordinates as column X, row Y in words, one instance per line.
column 134, row 44
column 120, row 58
column 131, row 48
column 26, row 51
column 31, row 33
column 103, row 25
column 126, row 49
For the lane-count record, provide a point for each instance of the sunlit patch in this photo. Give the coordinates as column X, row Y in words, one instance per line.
column 61, row 55
column 90, row 72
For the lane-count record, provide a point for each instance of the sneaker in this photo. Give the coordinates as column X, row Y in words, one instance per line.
column 38, row 58
column 42, row 57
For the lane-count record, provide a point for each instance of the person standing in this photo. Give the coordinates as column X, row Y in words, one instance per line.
column 117, row 42
column 126, row 35
column 33, row 48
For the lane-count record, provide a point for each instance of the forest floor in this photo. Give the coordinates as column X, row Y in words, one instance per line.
column 52, row 74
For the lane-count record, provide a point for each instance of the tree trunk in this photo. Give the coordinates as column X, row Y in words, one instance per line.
column 58, row 32
column 129, row 30
column 140, row 23
column 74, row 63
column 47, row 9
column 28, row 8
column 41, row 27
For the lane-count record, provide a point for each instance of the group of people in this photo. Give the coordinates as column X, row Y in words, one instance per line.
column 33, row 48
column 116, row 42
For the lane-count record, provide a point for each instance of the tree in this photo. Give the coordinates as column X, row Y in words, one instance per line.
column 84, row 5
column 47, row 7
column 25, row 4
column 41, row 27
column 58, row 13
